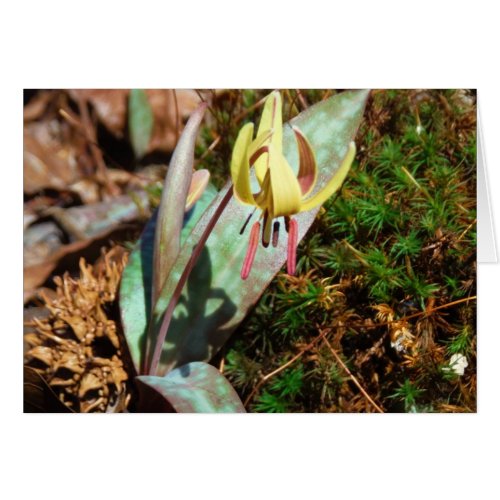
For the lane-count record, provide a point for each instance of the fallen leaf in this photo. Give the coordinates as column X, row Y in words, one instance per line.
column 169, row 107
column 110, row 106
column 87, row 224
column 66, row 257
column 111, row 109
column 36, row 274
column 40, row 242
column 87, row 189
column 45, row 168
column 37, row 105
column 28, row 218
column 96, row 219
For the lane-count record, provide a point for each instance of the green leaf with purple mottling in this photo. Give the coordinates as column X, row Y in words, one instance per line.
column 136, row 283
column 215, row 300
column 173, row 200
column 193, row 388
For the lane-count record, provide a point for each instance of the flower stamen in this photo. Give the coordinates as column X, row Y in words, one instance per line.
column 252, row 249
column 282, row 192
column 276, row 233
column 267, row 231
column 292, row 246
column 242, row 230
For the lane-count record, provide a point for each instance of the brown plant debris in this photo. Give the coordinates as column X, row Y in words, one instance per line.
column 76, row 349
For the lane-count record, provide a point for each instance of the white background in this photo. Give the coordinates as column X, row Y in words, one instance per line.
column 377, row 44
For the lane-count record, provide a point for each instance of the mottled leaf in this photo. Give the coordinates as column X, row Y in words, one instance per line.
column 215, row 300
column 44, row 166
column 193, row 388
column 136, row 283
column 140, row 121
column 173, row 200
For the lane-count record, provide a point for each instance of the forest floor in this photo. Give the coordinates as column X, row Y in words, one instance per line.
column 381, row 315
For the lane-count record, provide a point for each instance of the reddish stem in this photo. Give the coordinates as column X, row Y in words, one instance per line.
column 167, row 318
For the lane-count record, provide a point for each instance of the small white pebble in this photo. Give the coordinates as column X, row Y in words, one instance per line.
column 458, row 363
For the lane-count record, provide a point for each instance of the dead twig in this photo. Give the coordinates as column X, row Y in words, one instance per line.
column 90, row 134
column 265, row 378
column 237, row 119
column 208, row 150
column 77, row 124
column 247, row 111
column 416, row 315
column 352, row 377
column 209, row 108
column 302, row 100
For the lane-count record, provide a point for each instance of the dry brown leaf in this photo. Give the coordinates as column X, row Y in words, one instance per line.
column 43, row 247
column 41, row 241
column 87, row 190
column 110, row 106
column 35, row 108
column 169, row 107
column 28, row 218
column 36, row 274
column 45, row 168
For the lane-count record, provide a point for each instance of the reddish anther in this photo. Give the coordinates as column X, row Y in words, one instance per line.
column 276, row 233
column 252, row 249
column 292, row 246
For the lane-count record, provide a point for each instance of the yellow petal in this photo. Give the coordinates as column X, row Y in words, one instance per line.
column 257, row 143
column 308, row 172
column 240, row 169
column 257, row 150
column 271, row 120
column 264, row 198
column 285, row 188
column 334, row 183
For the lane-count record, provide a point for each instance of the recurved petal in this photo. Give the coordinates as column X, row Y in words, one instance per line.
column 271, row 120
column 240, row 169
column 259, row 141
column 334, row 183
column 263, row 199
column 285, row 189
column 308, row 171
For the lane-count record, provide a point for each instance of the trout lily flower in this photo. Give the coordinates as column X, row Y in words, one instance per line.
column 282, row 193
